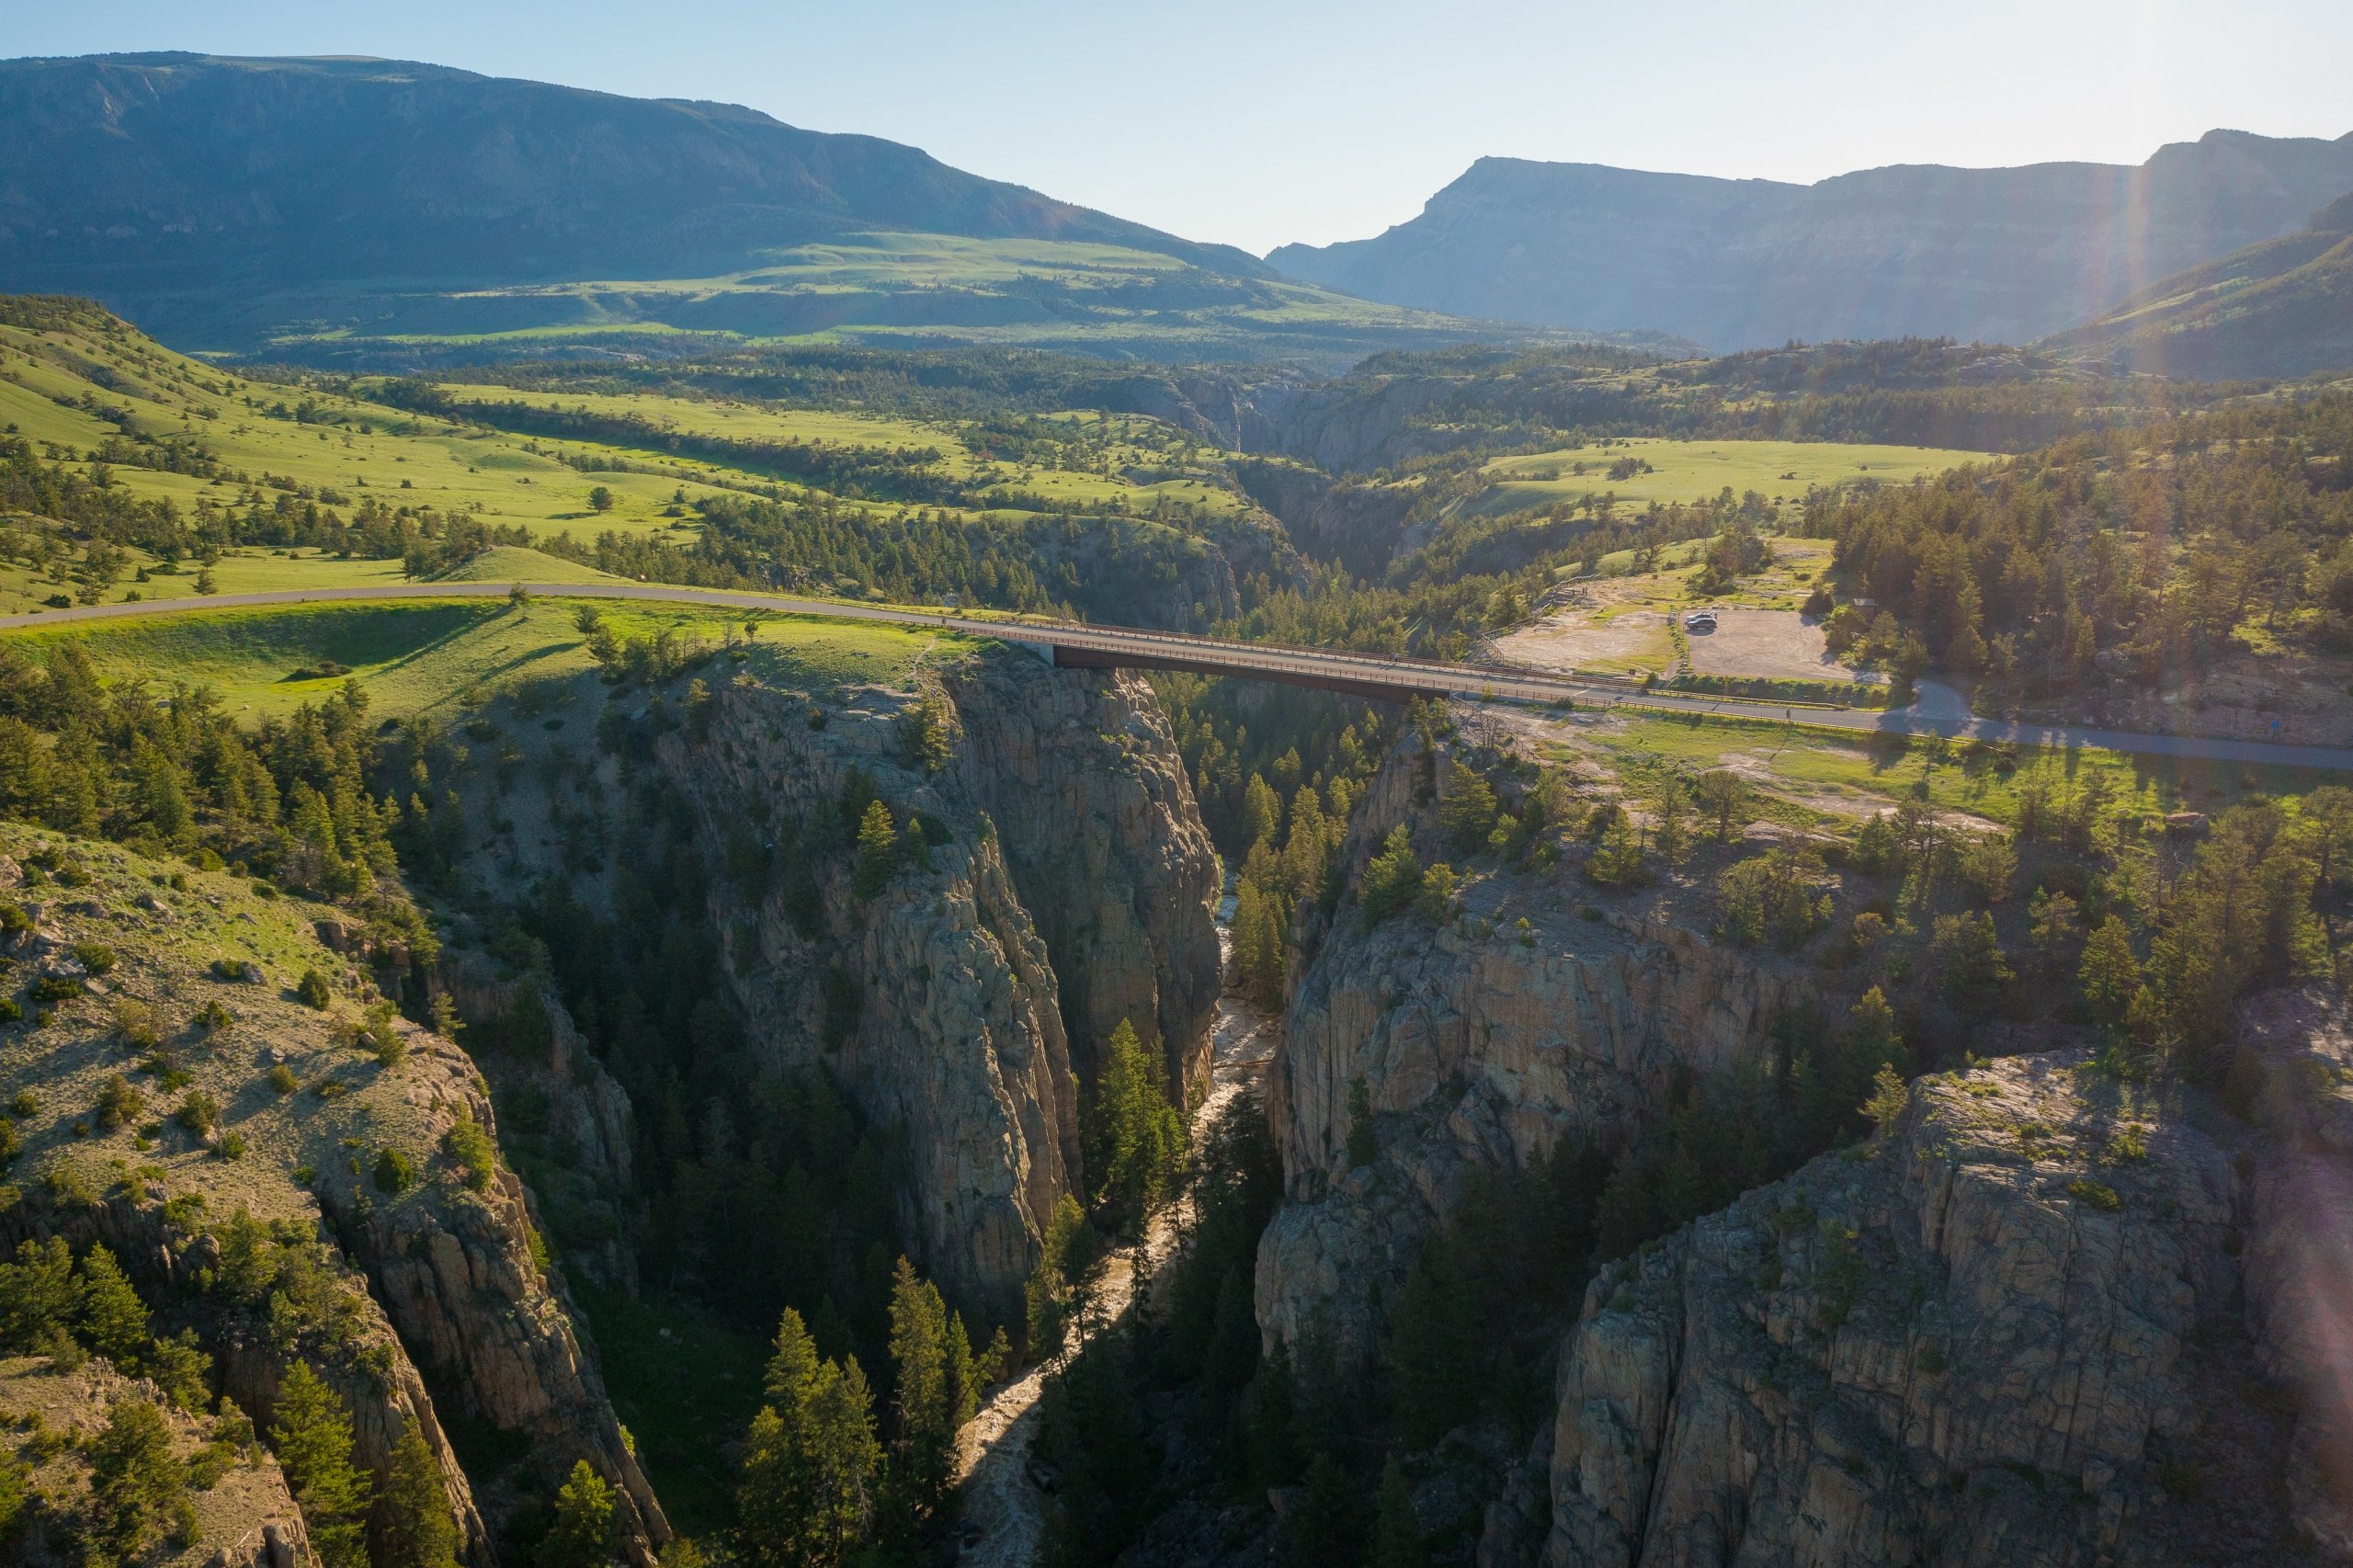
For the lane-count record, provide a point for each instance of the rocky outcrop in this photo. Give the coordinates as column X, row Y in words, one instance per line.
column 1081, row 776
column 2005, row 1333
column 246, row 1518
column 420, row 1293
column 1475, row 1044
column 563, row 1121
column 368, row 1366
column 461, row 1275
column 2294, row 1077
column 1063, row 882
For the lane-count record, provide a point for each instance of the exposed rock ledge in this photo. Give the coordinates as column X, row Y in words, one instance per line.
column 2009, row 1333
column 1070, row 885
column 1479, row 1045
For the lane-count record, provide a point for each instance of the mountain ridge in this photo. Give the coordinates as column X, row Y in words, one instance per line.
column 2279, row 307
column 1920, row 250
column 815, row 183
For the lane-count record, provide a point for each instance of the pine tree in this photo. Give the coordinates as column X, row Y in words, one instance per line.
column 2108, row 974
column 1053, row 1289
column 1616, row 859
column 1671, row 830
column 312, row 1437
column 1258, row 945
column 1889, row 1097
column 1723, row 795
column 582, row 1535
column 418, row 1529
column 1468, row 810
column 1396, row 1532
column 114, row 1320
column 1325, row 1526
column 1394, row 878
column 845, row 1456
column 37, row 1295
column 922, row 1453
column 137, row 1484
column 1138, row 1136
column 1262, row 811
column 877, row 849
column 1307, row 849
column 792, row 1367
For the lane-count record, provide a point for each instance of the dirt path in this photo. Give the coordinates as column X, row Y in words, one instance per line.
column 1003, row 1508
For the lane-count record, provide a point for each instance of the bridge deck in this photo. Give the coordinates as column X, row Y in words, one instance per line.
column 1074, row 645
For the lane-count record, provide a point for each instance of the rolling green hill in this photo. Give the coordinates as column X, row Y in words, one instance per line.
column 2281, row 308
column 351, row 212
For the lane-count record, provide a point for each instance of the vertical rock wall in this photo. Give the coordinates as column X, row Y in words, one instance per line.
column 1070, row 885
column 1478, row 1044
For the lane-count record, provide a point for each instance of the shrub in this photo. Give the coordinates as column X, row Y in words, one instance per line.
column 384, row 1038
column 2099, row 1195
column 211, row 1016
column 26, row 1103
column 312, row 989
column 118, row 1103
column 282, row 1079
column 395, row 1172
column 232, row 1145
column 95, row 956
column 137, row 1025
column 471, row 1147
column 199, row 1113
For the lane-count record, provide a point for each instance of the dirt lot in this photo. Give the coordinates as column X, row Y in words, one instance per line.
column 1777, row 643
column 1588, row 637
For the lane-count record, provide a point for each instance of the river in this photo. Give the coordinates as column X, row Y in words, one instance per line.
column 1003, row 1508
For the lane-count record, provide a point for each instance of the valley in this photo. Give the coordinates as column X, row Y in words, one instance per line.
column 721, row 848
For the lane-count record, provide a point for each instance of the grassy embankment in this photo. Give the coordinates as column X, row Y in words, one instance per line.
column 434, row 656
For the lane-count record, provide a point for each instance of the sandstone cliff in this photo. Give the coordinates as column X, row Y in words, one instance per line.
column 1065, row 884
column 1476, row 1044
column 2007, row 1332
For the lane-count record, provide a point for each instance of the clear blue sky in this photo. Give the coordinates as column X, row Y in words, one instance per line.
column 1255, row 123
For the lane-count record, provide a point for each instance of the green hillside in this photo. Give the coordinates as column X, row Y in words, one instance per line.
column 440, row 656
column 2281, row 308
column 364, row 212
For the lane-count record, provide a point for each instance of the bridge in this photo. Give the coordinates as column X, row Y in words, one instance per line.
column 1080, row 645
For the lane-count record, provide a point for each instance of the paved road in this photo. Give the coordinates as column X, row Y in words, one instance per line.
column 1131, row 645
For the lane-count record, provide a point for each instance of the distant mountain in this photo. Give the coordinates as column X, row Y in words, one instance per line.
column 359, row 207
column 1978, row 254
column 2281, row 307
column 156, row 169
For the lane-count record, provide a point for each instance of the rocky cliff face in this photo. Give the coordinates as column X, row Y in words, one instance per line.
column 1361, row 526
column 2294, row 1078
column 1081, row 776
column 460, row 1275
column 1067, row 884
column 427, row 1283
column 245, row 1519
column 1477, row 1045
column 1996, row 255
column 2008, row 1332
